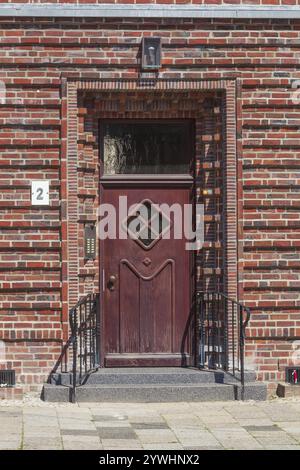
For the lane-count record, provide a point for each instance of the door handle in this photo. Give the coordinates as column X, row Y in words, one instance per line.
column 111, row 282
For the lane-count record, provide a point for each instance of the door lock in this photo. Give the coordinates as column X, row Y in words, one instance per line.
column 111, row 282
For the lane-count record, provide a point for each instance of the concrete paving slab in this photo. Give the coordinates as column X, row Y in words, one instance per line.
column 42, row 443
column 123, row 444
column 150, row 436
column 151, row 426
column 171, row 446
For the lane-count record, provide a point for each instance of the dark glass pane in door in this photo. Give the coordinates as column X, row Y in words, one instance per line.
column 146, row 147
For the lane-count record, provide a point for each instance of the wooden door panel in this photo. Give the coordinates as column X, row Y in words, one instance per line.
column 149, row 305
column 163, row 307
column 129, row 310
column 146, row 317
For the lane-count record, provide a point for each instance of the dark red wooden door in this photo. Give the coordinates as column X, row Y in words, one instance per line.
column 146, row 285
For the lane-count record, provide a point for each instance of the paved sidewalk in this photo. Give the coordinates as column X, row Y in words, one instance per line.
column 191, row 426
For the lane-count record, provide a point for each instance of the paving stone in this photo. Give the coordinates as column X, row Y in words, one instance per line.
column 191, row 432
column 282, row 447
column 75, row 417
column 81, row 442
column 211, row 419
column 13, row 436
column 200, row 438
column 205, row 409
column 244, row 422
column 9, row 445
column 150, row 436
column 167, row 446
column 82, row 446
column 185, row 428
column 243, row 446
column 231, row 439
column 289, row 425
column 78, row 426
column 116, row 433
column 41, row 430
column 153, row 425
column 124, row 444
column 11, row 412
column 182, row 418
column 280, row 411
column 41, row 447
column 10, row 442
column 199, row 442
column 109, row 418
column 249, row 412
column 37, row 436
column 111, row 424
column 4, row 430
column 79, row 432
column 81, row 437
column 226, row 429
column 204, row 448
column 146, row 419
column 40, row 421
column 42, row 443
column 10, row 419
column 165, row 408
column 277, row 417
column 291, row 429
column 276, row 440
column 254, row 428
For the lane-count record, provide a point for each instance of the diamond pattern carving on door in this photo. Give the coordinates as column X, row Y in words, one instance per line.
column 146, row 224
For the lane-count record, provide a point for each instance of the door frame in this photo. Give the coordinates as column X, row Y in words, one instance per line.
column 165, row 181
column 73, row 163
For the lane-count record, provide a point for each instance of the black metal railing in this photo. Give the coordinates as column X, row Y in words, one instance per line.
column 81, row 353
column 222, row 326
column 85, row 333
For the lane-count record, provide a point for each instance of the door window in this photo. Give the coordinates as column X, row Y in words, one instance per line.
column 146, row 147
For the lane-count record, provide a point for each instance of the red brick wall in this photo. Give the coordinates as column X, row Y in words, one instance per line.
column 36, row 54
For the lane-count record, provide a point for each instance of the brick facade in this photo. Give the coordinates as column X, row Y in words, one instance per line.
column 49, row 131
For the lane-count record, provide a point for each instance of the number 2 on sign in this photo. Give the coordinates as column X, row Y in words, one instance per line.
column 40, row 193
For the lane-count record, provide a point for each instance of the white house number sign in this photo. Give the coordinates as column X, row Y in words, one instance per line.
column 40, row 193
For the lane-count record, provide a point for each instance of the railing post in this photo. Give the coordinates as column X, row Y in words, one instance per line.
column 74, row 328
column 98, row 327
column 242, row 351
column 226, row 333
column 200, row 347
column 243, row 325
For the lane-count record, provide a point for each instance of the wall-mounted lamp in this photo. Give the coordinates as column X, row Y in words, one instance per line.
column 151, row 53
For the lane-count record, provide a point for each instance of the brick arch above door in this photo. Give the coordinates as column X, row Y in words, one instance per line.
column 212, row 101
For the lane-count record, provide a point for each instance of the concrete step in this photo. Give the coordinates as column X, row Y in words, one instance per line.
column 160, row 384
column 148, row 376
column 250, row 376
column 144, row 393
